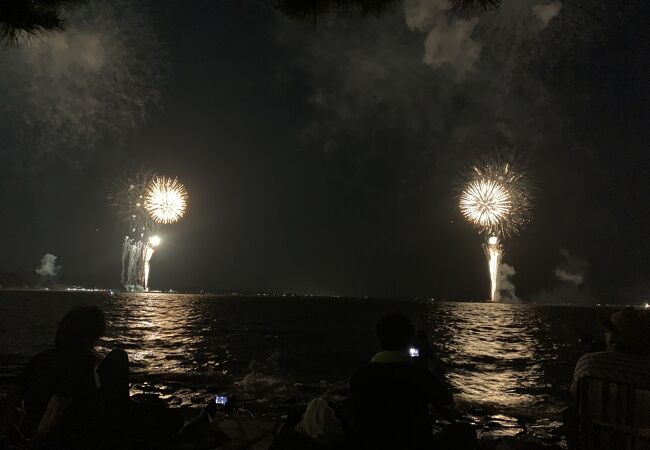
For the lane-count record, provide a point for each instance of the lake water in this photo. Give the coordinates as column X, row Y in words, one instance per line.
column 508, row 360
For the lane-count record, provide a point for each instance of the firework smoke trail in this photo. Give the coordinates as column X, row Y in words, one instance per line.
column 132, row 264
column 128, row 197
column 496, row 200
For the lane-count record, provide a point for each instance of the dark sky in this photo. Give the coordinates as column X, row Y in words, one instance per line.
column 323, row 160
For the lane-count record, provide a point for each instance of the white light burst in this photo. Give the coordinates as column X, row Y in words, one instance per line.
column 485, row 203
column 166, row 199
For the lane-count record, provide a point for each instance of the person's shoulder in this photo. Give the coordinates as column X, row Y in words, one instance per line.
column 45, row 364
column 362, row 371
column 611, row 357
column 592, row 356
column 45, row 359
column 612, row 366
column 366, row 370
column 379, row 370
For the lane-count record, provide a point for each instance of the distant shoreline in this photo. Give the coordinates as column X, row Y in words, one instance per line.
column 81, row 290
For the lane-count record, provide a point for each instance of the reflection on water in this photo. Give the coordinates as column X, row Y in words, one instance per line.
column 493, row 352
column 160, row 336
column 503, row 357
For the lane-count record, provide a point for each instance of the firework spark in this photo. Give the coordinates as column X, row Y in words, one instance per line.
column 485, row 202
column 496, row 198
column 127, row 196
column 165, row 200
column 144, row 200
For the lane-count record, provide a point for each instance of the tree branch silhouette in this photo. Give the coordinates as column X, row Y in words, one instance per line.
column 24, row 20
column 314, row 10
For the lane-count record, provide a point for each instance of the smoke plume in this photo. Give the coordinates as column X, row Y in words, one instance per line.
column 547, row 12
column 571, row 270
column 68, row 93
column 448, row 41
column 48, row 268
column 570, row 273
column 573, row 278
column 506, row 288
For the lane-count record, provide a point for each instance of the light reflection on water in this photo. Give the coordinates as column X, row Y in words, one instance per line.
column 160, row 336
column 498, row 356
column 494, row 354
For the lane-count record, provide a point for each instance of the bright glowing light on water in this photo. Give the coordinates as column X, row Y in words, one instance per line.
column 166, row 199
column 154, row 240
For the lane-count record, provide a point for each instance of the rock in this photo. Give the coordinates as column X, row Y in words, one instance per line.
column 457, row 436
column 520, row 443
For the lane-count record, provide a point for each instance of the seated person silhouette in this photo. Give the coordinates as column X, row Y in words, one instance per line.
column 69, row 397
column 390, row 396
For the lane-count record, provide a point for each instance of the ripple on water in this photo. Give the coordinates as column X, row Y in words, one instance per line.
column 514, row 358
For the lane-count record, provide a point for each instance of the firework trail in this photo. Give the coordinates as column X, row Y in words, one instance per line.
column 496, row 200
column 132, row 269
column 128, row 198
column 494, row 253
column 143, row 201
column 149, row 248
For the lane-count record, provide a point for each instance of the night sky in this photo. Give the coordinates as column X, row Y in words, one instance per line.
column 325, row 159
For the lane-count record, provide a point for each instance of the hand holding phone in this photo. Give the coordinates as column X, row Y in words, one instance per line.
column 221, row 399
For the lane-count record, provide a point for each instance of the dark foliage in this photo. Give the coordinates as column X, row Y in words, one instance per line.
column 475, row 5
column 22, row 20
column 27, row 19
column 313, row 10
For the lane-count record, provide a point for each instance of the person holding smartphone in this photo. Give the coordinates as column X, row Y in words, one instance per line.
column 390, row 396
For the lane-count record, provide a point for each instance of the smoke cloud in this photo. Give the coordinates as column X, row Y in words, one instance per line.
column 448, row 41
column 573, row 278
column 68, row 93
column 48, row 268
column 571, row 273
column 474, row 92
column 506, row 292
column 547, row 12
column 571, row 270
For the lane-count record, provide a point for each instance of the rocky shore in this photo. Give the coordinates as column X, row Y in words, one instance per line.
column 253, row 425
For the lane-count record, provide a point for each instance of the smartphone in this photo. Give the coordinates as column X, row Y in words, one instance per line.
column 414, row 352
column 220, row 399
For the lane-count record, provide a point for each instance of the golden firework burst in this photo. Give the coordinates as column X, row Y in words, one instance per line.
column 485, row 203
column 165, row 199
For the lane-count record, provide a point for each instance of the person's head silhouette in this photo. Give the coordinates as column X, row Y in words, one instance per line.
column 80, row 329
column 395, row 332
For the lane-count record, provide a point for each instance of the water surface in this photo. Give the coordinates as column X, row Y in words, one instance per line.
column 509, row 359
